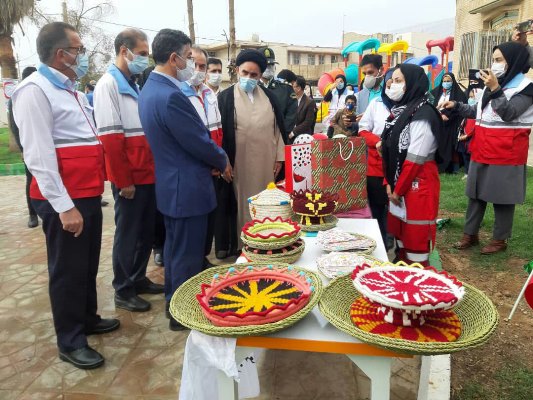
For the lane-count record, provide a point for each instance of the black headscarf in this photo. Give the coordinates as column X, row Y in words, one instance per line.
column 456, row 93
column 413, row 106
column 329, row 94
column 386, row 100
column 517, row 58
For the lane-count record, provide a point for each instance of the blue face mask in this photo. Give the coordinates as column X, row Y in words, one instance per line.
column 349, row 107
column 138, row 64
column 447, row 85
column 472, row 101
column 82, row 64
column 247, row 84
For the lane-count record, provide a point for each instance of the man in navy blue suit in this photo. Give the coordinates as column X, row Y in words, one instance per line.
column 185, row 159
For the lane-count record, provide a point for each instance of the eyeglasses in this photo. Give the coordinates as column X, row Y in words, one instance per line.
column 80, row 50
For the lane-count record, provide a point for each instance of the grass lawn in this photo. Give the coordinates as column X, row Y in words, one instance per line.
column 453, row 202
column 7, row 157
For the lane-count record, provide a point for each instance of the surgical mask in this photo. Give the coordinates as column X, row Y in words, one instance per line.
column 350, row 106
column 82, row 64
column 138, row 64
column 472, row 101
column 269, row 72
column 186, row 73
column 214, row 79
column 447, row 85
column 340, row 85
column 498, row 69
column 247, row 84
column 396, row 91
column 197, row 78
column 370, row 81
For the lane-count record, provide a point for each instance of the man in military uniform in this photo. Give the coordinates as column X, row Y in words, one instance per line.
column 282, row 91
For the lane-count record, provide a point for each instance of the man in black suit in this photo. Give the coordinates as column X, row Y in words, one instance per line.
column 306, row 112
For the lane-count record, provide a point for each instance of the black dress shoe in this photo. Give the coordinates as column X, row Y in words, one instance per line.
column 174, row 325
column 104, row 326
column 134, row 303
column 84, row 358
column 158, row 258
column 207, row 264
column 149, row 287
column 33, row 221
column 221, row 254
column 167, row 310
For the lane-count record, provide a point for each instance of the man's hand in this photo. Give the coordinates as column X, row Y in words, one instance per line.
column 127, row 192
column 489, row 80
column 389, row 191
column 444, row 118
column 72, row 221
column 520, row 37
column 291, row 135
column 228, row 173
column 277, row 168
column 358, row 118
column 215, row 172
column 462, row 138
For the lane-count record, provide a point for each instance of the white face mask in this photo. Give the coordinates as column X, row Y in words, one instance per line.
column 370, row 81
column 498, row 69
column 197, row 78
column 187, row 73
column 214, row 79
column 396, row 91
column 269, row 72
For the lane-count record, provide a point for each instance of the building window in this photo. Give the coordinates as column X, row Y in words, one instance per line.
column 506, row 20
column 476, row 49
column 321, row 59
column 212, row 53
column 296, row 58
column 311, row 59
column 334, row 59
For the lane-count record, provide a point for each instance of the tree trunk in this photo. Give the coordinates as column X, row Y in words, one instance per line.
column 232, row 44
column 7, row 59
column 191, row 21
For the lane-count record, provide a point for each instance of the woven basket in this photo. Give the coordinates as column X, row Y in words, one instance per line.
column 279, row 244
column 328, row 274
column 370, row 250
column 271, row 202
column 288, row 257
column 477, row 313
column 185, row 308
column 330, row 221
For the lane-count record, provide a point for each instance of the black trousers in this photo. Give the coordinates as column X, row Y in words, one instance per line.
column 160, row 233
column 134, row 236
column 72, row 268
column 224, row 219
column 29, row 177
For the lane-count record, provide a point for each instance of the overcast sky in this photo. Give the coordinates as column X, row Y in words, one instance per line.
column 305, row 22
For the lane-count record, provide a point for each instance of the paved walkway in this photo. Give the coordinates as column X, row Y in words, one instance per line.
column 143, row 358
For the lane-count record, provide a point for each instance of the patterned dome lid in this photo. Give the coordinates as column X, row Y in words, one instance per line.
column 270, row 196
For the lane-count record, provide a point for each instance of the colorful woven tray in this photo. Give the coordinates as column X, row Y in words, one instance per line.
column 270, row 245
column 289, row 254
column 476, row 312
column 337, row 239
column 330, row 221
column 270, row 230
column 335, row 264
column 186, row 309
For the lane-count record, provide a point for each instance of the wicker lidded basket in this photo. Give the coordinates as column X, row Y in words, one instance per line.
column 271, row 202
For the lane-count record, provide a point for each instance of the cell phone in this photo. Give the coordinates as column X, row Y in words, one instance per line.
column 474, row 75
column 526, row 26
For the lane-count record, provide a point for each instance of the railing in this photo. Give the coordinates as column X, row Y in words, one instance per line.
column 476, row 49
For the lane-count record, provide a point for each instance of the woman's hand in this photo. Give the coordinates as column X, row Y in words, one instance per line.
column 395, row 199
column 450, row 104
column 462, row 138
column 490, row 80
column 389, row 191
column 379, row 148
column 277, row 168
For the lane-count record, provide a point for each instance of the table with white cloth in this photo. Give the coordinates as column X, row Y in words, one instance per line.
column 315, row 334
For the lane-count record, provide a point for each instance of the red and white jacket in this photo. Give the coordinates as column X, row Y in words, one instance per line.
column 61, row 148
column 128, row 157
column 501, row 142
column 206, row 104
column 371, row 127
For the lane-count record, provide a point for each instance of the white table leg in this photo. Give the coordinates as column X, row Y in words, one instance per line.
column 227, row 387
column 378, row 369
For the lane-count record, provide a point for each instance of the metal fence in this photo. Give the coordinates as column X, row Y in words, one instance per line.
column 476, row 49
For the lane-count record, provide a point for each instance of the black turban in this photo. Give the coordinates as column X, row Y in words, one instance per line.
column 253, row 56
